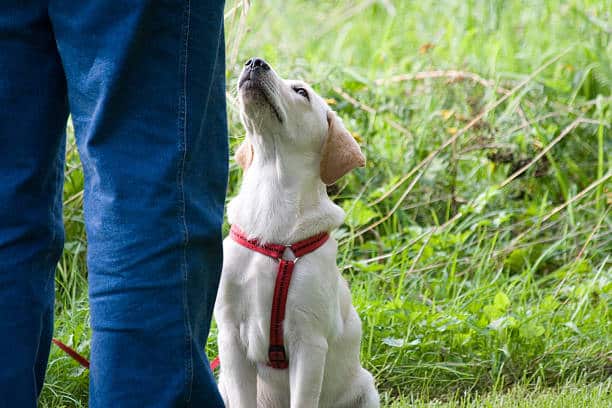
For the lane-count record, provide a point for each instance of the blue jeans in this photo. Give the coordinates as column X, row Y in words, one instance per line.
column 144, row 82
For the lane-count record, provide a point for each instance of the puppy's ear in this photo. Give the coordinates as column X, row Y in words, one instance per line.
column 244, row 154
column 341, row 153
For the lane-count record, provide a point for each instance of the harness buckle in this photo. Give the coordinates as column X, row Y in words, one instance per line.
column 285, row 256
column 276, row 354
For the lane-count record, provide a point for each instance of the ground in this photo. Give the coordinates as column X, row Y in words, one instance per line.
column 478, row 238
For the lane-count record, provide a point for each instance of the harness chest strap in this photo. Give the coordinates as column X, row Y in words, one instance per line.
column 276, row 350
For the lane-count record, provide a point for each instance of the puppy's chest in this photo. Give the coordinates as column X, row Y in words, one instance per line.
column 311, row 301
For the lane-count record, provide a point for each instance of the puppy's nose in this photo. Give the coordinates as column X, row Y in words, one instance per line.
column 257, row 63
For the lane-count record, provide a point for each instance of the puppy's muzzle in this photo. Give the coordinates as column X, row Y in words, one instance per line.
column 254, row 69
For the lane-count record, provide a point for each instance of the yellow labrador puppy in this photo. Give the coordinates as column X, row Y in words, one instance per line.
column 289, row 335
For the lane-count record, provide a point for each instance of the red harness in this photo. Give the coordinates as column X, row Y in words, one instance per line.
column 276, row 349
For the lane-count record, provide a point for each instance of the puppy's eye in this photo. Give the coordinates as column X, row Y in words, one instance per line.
column 303, row 92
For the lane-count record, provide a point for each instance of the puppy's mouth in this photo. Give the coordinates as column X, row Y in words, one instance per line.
column 255, row 86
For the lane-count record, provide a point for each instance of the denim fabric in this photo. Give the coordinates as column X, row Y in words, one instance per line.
column 144, row 82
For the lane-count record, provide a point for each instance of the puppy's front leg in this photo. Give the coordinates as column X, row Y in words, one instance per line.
column 238, row 376
column 306, row 373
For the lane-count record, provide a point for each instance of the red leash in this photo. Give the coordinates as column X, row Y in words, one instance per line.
column 276, row 350
column 215, row 364
column 72, row 353
column 85, row 363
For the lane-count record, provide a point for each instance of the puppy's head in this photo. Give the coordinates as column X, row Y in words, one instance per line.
column 291, row 114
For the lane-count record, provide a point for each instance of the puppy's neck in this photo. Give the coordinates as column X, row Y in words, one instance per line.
column 282, row 199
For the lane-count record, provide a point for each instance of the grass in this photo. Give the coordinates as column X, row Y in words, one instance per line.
column 584, row 395
column 478, row 238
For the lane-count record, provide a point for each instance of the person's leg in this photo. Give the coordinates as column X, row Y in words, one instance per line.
column 33, row 113
column 147, row 95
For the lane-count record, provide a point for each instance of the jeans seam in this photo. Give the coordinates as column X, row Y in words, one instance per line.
column 181, row 190
column 214, row 70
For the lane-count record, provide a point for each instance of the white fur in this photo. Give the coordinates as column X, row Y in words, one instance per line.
column 283, row 200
